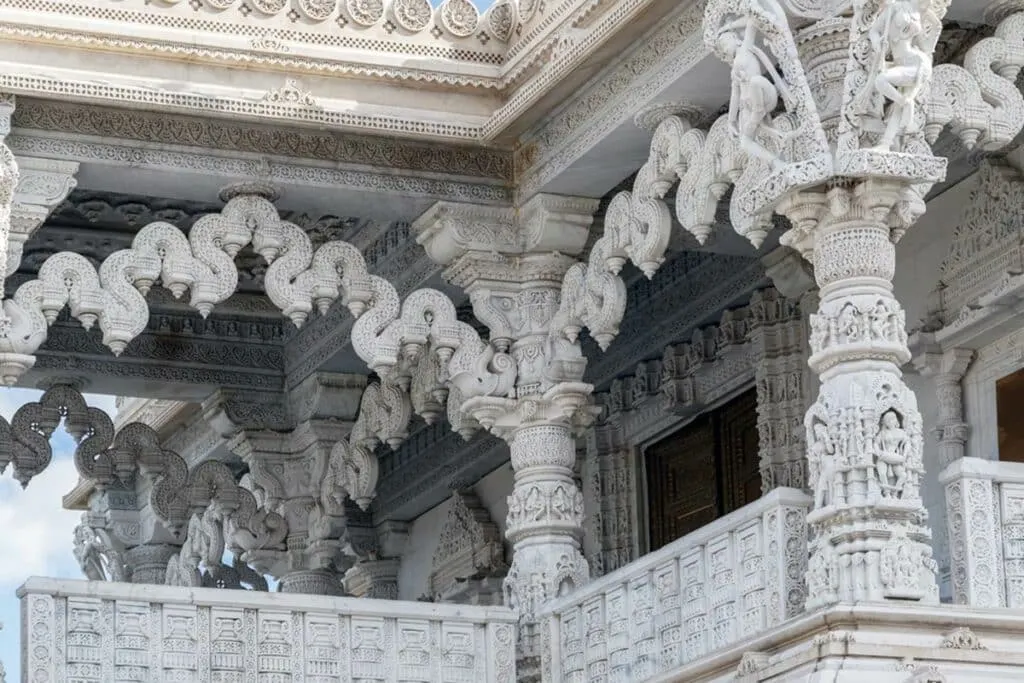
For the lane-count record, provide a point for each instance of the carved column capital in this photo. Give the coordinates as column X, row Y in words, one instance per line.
column 545, row 224
column 947, row 364
column 42, row 185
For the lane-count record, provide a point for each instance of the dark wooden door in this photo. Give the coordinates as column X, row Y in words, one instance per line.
column 705, row 470
column 681, row 482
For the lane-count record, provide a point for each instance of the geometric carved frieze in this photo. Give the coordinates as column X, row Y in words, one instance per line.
column 470, row 556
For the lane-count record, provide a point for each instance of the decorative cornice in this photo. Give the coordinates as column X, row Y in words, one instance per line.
column 551, row 49
column 610, row 99
column 178, row 159
column 236, row 136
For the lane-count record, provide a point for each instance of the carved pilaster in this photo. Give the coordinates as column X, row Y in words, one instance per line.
column 9, row 177
column 947, row 369
column 610, row 498
column 784, row 380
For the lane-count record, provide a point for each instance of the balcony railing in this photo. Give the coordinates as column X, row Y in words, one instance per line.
column 90, row 631
column 730, row 580
column 985, row 521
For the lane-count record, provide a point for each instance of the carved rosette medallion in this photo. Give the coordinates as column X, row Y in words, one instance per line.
column 459, row 17
column 317, row 10
column 412, row 15
column 365, row 12
column 501, row 20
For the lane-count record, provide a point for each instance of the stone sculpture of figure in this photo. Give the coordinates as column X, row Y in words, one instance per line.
column 898, row 32
column 823, row 454
column 754, row 96
column 877, row 321
column 97, row 556
column 87, row 552
column 848, row 327
column 891, row 454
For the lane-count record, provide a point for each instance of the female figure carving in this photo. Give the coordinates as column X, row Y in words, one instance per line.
column 891, row 453
column 823, row 454
column 754, row 96
column 899, row 32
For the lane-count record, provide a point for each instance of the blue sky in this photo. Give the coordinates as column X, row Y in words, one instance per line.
column 35, row 532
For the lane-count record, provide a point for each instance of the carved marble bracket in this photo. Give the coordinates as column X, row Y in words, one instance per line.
column 980, row 101
column 42, row 186
column 511, row 262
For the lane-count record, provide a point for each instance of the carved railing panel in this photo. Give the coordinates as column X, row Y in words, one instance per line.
column 195, row 634
column 985, row 523
column 731, row 580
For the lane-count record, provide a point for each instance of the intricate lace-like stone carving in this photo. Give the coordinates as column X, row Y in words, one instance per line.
column 470, row 554
column 459, row 17
column 979, row 101
column 412, row 15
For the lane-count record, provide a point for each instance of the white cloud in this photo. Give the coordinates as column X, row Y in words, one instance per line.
column 37, row 530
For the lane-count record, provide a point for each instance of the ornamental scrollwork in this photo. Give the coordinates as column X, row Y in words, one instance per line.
column 980, row 101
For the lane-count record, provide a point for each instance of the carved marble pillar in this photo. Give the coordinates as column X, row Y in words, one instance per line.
column 123, row 530
column 864, row 433
column 545, row 510
column 511, row 263
column 288, row 474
